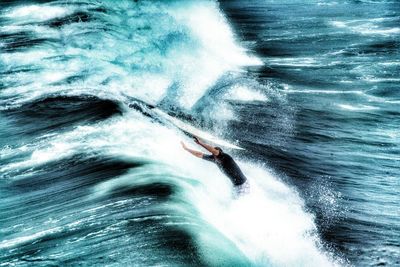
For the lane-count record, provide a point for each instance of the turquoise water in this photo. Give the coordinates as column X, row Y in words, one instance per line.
column 308, row 89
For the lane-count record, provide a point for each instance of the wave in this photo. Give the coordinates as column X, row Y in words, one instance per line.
column 87, row 179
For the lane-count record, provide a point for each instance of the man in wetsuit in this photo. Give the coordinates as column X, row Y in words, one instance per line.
column 224, row 162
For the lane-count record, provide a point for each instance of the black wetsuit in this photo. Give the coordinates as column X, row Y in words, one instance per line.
column 228, row 166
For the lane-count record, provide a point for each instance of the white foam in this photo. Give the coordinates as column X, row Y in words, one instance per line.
column 372, row 79
column 357, row 107
column 269, row 225
column 243, row 93
column 219, row 52
column 211, row 26
column 391, row 101
column 327, row 3
column 372, row 30
column 390, row 133
column 329, row 92
column 24, row 58
column 9, row 243
column 42, row 31
column 366, row 27
column 339, row 24
column 42, row 154
column 37, row 12
column 294, row 62
column 389, row 63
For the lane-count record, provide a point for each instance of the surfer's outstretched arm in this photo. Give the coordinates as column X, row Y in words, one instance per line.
column 212, row 149
column 191, row 151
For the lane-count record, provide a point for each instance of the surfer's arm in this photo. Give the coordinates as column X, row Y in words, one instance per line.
column 206, row 146
column 191, row 151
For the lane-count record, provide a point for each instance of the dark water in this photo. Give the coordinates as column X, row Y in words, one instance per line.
column 339, row 64
column 90, row 174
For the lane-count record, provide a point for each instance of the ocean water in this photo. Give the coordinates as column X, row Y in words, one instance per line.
column 90, row 176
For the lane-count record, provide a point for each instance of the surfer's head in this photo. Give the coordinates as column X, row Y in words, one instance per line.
column 219, row 149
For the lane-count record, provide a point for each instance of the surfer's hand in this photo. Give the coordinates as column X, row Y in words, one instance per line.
column 183, row 145
column 196, row 140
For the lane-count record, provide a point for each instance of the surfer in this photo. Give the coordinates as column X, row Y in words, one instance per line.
column 224, row 162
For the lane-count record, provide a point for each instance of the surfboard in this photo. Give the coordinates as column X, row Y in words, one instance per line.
column 156, row 113
column 195, row 132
